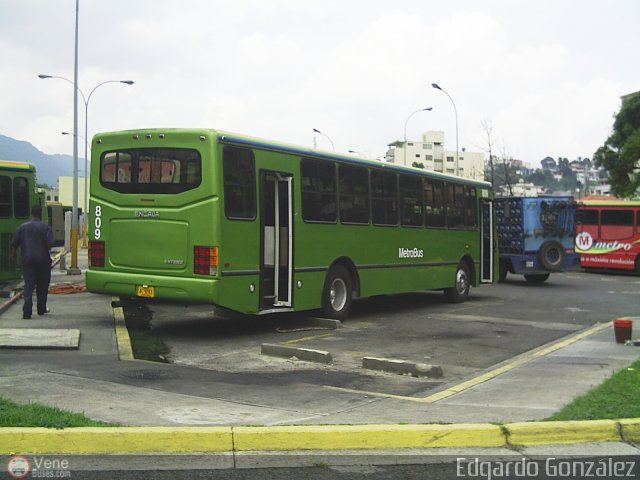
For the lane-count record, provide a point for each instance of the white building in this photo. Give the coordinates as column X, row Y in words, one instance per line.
column 429, row 153
column 65, row 189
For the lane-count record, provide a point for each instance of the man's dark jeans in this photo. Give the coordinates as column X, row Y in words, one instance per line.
column 36, row 277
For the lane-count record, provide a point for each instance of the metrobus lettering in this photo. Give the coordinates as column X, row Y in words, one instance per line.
column 410, row 253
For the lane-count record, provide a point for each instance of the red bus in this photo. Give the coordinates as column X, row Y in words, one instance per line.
column 608, row 234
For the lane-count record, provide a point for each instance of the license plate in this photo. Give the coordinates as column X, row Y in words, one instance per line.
column 145, row 291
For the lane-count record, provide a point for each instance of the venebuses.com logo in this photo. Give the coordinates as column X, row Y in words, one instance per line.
column 38, row 467
column 18, row 467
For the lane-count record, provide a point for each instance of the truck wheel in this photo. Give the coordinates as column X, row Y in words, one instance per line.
column 460, row 290
column 337, row 293
column 536, row 277
column 551, row 255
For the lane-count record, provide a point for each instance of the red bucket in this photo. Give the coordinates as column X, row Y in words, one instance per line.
column 622, row 328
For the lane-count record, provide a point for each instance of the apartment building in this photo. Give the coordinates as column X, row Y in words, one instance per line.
column 429, row 153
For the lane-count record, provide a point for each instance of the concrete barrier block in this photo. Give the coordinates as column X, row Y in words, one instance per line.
column 306, row 354
column 402, row 367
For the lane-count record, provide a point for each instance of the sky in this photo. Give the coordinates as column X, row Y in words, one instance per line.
column 547, row 75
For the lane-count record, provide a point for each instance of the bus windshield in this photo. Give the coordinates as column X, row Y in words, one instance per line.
column 151, row 170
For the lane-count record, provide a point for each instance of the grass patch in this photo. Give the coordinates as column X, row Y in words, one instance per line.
column 616, row 397
column 39, row 415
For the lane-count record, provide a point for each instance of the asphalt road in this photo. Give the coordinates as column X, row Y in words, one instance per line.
column 497, row 323
column 444, row 468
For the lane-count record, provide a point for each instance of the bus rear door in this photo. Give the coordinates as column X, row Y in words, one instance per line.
column 276, row 270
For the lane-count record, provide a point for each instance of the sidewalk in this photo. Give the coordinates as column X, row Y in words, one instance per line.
column 185, row 409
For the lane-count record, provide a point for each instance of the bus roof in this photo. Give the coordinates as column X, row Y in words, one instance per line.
column 239, row 139
column 11, row 165
column 312, row 152
column 608, row 202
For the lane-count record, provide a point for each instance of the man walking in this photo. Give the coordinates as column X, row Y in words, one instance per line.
column 34, row 239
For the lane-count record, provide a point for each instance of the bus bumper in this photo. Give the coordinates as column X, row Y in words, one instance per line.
column 529, row 264
column 188, row 290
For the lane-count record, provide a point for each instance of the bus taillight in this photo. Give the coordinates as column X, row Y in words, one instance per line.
column 205, row 260
column 96, row 253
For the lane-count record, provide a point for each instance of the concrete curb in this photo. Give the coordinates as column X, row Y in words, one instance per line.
column 123, row 340
column 112, row 440
column 306, row 354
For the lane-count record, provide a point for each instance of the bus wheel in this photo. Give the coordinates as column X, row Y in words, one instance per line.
column 551, row 255
column 460, row 290
column 536, row 277
column 337, row 293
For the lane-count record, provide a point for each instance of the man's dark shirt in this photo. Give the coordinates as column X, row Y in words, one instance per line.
column 34, row 239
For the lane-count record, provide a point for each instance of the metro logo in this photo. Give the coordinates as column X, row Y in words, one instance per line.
column 585, row 243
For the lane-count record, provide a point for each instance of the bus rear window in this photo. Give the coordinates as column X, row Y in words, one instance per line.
column 151, row 170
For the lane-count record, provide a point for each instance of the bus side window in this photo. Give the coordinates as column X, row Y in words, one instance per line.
column 5, row 197
column 318, row 191
column 455, row 205
column 353, row 184
column 384, row 198
column 616, row 224
column 434, row 204
column 238, row 171
column 21, row 197
column 471, row 208
column 638, row 222
column 411, row 200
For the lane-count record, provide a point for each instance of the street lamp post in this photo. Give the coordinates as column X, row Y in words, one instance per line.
column 85, row 99
column 455, row 110
column 326, row 136
column 427, row 109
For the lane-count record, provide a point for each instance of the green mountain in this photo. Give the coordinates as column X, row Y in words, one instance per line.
column 48, row 167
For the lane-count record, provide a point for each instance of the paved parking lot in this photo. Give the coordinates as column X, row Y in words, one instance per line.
column 498, row 323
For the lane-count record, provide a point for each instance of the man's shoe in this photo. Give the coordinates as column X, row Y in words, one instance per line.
column 26, row 317
column 45, row 311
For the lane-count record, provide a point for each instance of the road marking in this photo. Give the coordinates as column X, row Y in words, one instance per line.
column 516, row 362
column 507, row 321
column 305, row 339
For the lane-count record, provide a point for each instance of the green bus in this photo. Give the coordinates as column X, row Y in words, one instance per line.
column 17, row 194
column 256, row 226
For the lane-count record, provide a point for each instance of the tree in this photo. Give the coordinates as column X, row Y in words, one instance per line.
column 620, row 154
column 487, row 126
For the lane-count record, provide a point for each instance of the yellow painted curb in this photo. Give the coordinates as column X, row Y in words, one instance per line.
column 125, row 350
column 348, row 437
column 630, row 429
column 115, row 440
column 544, row 433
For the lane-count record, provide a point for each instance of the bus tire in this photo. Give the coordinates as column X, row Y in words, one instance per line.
column 337, row 293
column 551, row 255
column 460, row 290
column 537, row 277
